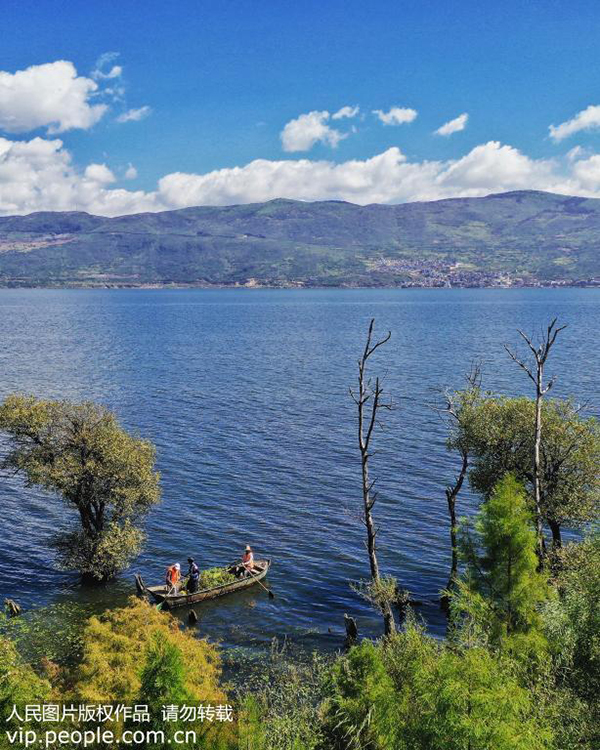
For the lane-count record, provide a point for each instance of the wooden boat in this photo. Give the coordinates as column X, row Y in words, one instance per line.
column 170, row 601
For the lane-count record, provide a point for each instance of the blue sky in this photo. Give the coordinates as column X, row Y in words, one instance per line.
column 207, row 88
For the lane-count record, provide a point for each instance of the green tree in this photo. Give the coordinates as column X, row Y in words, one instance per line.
column 498, row 434
column 478, row 703
column 458, row 414
column 536, row 373
column 413, row 693
column 572, row 626
column 107, row 476
column 162, row 683
column 501, row 560
column 112, row 644
column 361, row 711
column 19, row 686
column 138, row 651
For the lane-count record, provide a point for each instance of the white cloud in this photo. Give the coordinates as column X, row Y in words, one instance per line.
column 302, row 133
column 396, row 115
column 134, row 115
column 453, row 126
column 496, row 167
column 387, row 178
column 39, row 175
column 99, row 173
column 586, row 173
column 587, row 119
column 115, row 72
column 366, row 181
column 346, row 111
column 104, row 69
column 130, row 173
column 48, row 96
column 577, row 152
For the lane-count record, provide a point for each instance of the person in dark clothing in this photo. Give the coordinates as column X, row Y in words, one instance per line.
column 193, row 576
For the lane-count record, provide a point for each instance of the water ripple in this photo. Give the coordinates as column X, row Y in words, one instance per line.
column 245, row 395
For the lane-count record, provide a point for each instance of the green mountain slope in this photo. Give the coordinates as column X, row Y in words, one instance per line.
column 517, row 237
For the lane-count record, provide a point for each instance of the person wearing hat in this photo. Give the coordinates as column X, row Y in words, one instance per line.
column 173, row 578
column 248, row 560
column 193, row 576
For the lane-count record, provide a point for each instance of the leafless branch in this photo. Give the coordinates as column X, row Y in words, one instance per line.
column 540, row 354
column 369, row 403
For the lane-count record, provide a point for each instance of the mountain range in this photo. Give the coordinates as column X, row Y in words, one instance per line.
column 515, row 238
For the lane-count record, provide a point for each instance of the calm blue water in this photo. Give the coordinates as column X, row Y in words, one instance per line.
column 245, row 394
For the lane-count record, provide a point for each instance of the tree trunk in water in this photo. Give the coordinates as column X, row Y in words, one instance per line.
column 88, row 579
column 451, row 495
column 453, row 577
column 370, row 526
column 366, row 425
column 540, row 355
column 389, row 624
column 537, row 468
column 556, row 535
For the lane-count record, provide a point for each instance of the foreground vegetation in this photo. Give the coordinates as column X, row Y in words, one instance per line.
column 519, row 668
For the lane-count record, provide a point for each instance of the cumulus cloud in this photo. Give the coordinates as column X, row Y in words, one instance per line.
column 99, row 173
column 496, row 167
column 385, row 178
column 453, row 126
column 396, row 115
column 587, row 119
column 134, row 115
column 346, row 111
column 586, row 172
column 306, row 130
column 48, row 96
column 40, row 175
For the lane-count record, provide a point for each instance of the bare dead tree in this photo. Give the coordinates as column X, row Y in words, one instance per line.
column 368, row 400
column 452, row 411
column 540, row 354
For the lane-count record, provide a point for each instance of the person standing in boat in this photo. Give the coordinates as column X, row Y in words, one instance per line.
column 248, row 561
column 173, row 578
column 193, row 576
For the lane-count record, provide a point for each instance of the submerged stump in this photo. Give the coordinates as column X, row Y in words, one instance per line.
column 351, row 631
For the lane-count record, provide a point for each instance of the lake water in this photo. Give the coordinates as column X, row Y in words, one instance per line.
column 245, row 394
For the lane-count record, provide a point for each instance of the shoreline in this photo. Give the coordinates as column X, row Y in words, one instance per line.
column 592, row 284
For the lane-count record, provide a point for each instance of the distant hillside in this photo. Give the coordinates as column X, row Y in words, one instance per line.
column 519, row 237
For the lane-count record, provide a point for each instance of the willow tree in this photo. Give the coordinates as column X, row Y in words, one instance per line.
column 369, row 402
column 80, row 452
